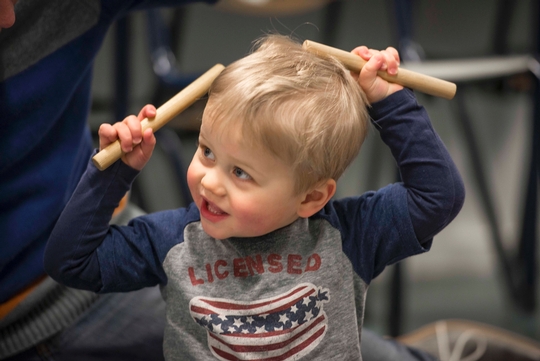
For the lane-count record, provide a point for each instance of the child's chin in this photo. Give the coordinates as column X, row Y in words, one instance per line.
column 215, row 234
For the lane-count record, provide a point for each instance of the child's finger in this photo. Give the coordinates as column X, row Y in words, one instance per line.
column 124, row 136
column 374, row 64
column 368, row 74
column 367, row 53
column 141, row 154
column 391, row 59
column 363, row 52
column 374, row 87
column 134, row 126
column 394, row 53
column 148, row 111
column 148, row 143
column 107, row 134
column 390, row 62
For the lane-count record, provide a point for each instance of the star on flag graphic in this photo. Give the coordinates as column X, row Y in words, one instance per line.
column 285, row 327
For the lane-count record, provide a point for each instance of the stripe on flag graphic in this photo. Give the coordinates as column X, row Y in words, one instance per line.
column 285, row 327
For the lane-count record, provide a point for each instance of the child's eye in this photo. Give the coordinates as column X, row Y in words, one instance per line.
column 207, row 152
column 238, row 172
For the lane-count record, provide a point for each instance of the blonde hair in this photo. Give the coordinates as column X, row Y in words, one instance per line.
column 306, row 110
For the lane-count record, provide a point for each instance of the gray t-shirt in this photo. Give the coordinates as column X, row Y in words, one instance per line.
column 279, row 297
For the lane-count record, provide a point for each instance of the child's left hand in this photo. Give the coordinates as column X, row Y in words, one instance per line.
column 374, row 86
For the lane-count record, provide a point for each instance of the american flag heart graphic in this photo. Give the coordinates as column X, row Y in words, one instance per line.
column 284, row 327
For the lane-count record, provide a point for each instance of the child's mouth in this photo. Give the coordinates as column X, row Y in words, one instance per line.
column 212, row 212
column 212, row 208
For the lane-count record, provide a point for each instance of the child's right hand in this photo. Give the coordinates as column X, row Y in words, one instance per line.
column 136, row 145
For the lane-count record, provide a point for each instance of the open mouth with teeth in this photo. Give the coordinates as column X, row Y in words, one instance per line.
column 212, row 212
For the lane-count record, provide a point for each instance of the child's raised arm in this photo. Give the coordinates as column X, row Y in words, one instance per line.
column 136, row 145
column 83, row 241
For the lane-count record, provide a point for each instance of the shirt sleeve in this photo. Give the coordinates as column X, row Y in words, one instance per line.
column 382, row 227
column 435, row 190
column 85, row 252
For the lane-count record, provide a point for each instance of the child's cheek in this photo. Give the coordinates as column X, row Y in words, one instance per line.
column 254, row 217
column 194, row 179
column 248, row 212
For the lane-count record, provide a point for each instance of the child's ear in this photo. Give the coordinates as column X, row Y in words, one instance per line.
column 316, row 198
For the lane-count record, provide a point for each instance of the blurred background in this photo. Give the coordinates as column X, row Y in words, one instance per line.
column 482, row 267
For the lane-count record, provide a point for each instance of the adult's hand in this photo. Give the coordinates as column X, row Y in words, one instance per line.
column 7, row 13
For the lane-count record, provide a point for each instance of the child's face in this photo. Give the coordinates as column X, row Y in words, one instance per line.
column 240, row 191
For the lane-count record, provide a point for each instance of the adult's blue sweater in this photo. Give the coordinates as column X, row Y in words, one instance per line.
column 46, row 62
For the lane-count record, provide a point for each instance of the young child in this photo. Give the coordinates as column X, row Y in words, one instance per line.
column 264, row 265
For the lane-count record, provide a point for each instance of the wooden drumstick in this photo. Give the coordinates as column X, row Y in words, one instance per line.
column 164, row 114
column 421, row 82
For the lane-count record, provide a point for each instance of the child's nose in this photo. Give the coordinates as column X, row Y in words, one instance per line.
column 212, row 182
